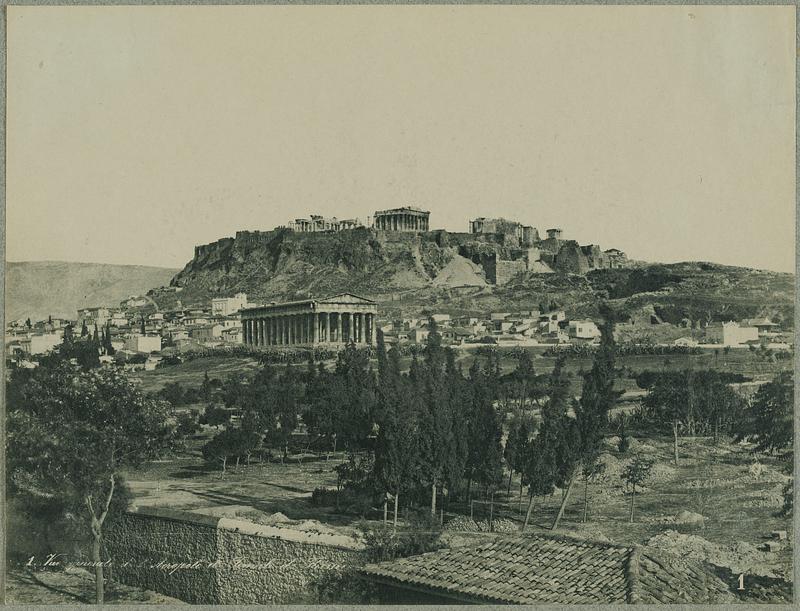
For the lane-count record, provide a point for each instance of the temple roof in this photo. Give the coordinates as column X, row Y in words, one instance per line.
column 339, row 299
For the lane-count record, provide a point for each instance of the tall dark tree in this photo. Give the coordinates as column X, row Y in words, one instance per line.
column 523, row 386
column 551, row 456
column 109, row 347
column 397, row 444
column 597, row 399
column 516, row 446
column 84, row 329
column 769, row 420
column 438, row 446
column 352, row 397
column 484, row 462
column 287, row 409
column 205, row 388
column 380, row 349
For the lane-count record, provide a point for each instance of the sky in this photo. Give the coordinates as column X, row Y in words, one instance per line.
column 134, row 133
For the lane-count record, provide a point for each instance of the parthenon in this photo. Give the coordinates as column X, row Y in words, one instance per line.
column 340, row 319
column 402, row 219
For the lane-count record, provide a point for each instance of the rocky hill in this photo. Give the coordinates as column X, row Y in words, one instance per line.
column 58, row 288
column 465, row 273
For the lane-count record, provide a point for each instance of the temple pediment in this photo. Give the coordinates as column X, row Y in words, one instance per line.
column 345, row 298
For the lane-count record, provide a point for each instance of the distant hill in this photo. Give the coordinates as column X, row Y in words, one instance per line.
column 59, row 288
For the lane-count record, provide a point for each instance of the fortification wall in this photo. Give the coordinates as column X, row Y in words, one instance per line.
column 204, row 250
column 209, row 560
column 506, row 270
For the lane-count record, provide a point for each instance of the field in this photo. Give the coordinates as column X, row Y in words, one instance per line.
column 737, row 493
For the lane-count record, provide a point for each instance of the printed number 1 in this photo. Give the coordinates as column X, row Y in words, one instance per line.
column 741, row 581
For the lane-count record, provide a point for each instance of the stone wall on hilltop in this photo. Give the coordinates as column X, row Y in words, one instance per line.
column 282, row 264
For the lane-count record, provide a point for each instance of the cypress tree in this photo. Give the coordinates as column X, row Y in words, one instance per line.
column 597, row 399
column 550, row 456
column 397, row 444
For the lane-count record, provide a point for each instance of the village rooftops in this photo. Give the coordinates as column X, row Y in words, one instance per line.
column 539, row 569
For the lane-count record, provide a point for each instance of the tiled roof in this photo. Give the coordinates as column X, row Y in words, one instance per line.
column 552, row 569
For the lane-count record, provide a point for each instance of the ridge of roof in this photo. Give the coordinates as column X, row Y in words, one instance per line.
column 632, row 574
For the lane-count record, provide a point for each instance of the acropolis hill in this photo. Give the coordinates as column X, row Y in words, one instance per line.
column 397, row 260
column 501, row 249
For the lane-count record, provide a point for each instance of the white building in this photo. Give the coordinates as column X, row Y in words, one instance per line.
column 143, row 343
column 118, row 319
column 548, row 323
column 40, row 344
column 731, row 334
column 419, row 335
column 206, row 333
column 93, row 316
column 232, row 335
column 222, row 306
column 583, row 329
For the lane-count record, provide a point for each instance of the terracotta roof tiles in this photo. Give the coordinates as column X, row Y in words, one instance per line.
column 552, row 569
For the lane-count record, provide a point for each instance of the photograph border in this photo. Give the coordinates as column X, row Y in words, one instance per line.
column 195, row 3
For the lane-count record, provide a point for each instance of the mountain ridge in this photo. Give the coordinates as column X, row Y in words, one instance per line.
column 38, row 289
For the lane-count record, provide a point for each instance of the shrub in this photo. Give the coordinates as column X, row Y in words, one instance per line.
column 421, row 533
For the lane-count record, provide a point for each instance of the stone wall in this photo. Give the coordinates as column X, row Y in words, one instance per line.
column 205, row 250
column 506, row 270
column 141, row 544
column 209, row 560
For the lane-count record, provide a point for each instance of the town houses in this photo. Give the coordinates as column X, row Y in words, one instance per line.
column 140, row 335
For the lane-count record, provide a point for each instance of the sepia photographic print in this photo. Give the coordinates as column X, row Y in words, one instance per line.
column 394, row 304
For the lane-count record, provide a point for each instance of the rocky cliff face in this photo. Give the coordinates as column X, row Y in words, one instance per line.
column 282, row 264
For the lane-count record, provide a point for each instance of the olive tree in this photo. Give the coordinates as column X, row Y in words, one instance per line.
column 71, row 432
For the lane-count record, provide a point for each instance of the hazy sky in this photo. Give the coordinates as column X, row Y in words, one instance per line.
column 135, row 133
